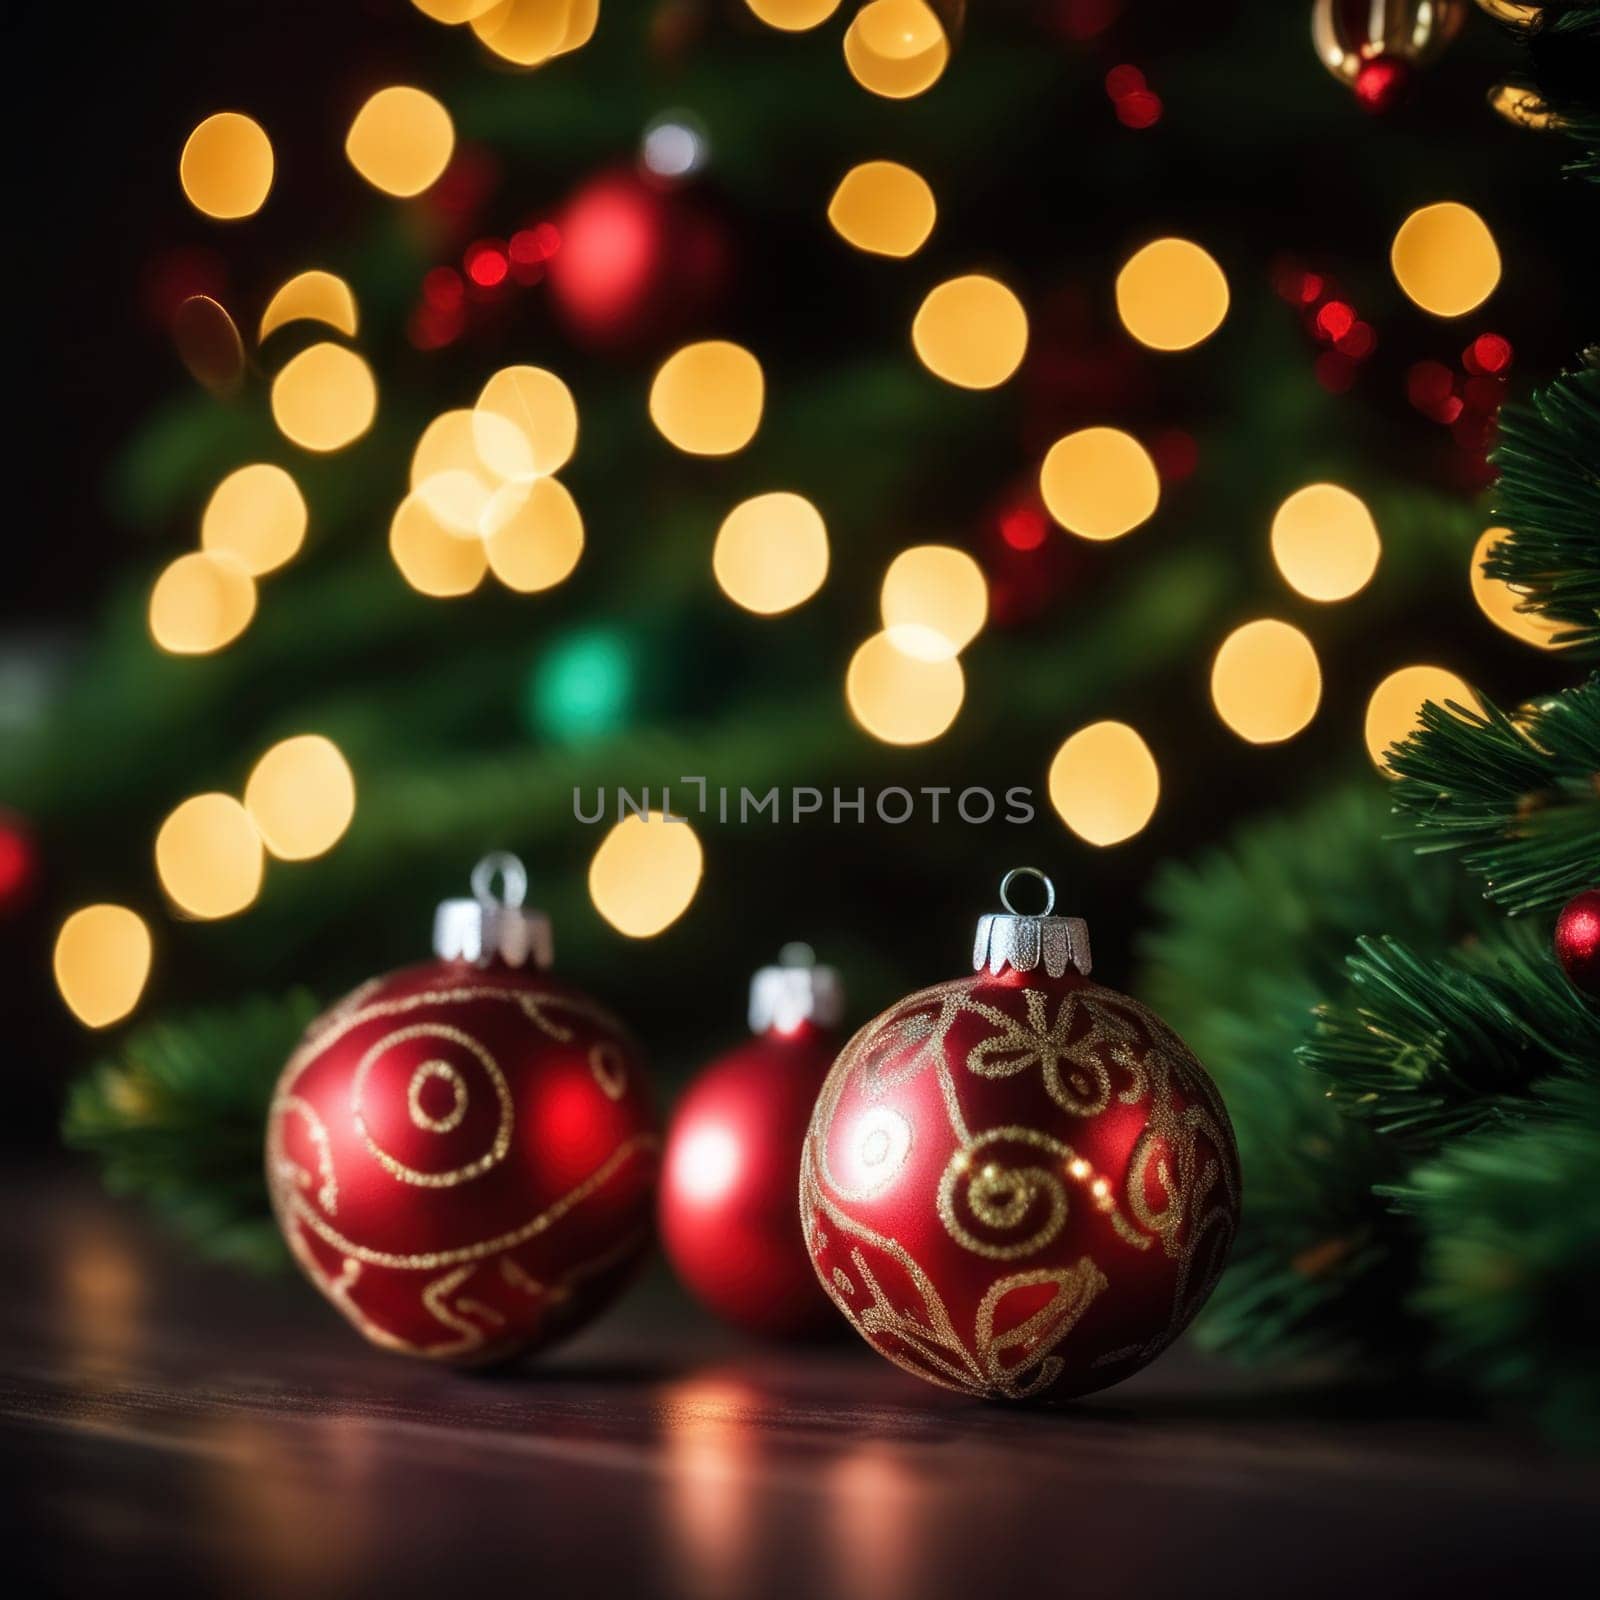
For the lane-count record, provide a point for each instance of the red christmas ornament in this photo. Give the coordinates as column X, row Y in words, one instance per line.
column 1019, row 1184
column 635, row 263
column 1578, row 942
column 462, row 1155
column 732, row 1158
column 1376, row 46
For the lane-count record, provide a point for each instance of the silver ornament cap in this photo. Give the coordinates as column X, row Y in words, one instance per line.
column 1014, row 939
column 796, row 990
column 492, row 928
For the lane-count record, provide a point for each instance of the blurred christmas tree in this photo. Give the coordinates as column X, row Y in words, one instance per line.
column 676, row 177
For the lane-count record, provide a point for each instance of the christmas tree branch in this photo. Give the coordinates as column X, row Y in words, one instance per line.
column 176, row 1120
column 1520, row 799
column 1427, row 1049
column 1510, row 1264
column 1563, row 73
column 1549, row 496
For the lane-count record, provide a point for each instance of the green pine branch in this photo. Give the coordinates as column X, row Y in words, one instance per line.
column 1549, row 496
column 177, row 1120
column 1427, row 1049
column 1520, row 800
column 1510, row 1264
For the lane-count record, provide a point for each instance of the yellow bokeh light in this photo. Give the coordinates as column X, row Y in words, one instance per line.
column 934, row 599
column 971, row 332
column 527, row 32
column 401, row 140
column 226, row 166
column 1325, row 542
column 102, row 960
column 883, row 208
column 314, row 296
column 533, row 534
column 543, row 421
column 771, row 553
column 707, row 398
column 1104, row 783
column 1171, row 295
column 1445, row 259
column 896, row 48
column 645, row 874
column 324, row 398
column 793, row 16
column 432, row 558
column 1395, row 708
column 201, row 602
column 1099, row 483
column 1265, row 681
column 452, row 12
column 257, row 515
column 1500, row 602
column 449, row 472
column 902, row 699
column 301, row 796
column 209, row 857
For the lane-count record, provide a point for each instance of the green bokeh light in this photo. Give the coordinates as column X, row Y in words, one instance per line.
column 582, row 687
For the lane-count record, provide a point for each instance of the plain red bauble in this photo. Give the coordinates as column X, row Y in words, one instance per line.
column 463, row 1159
column 729, row 1177
column 1019, row 1186
column 636, row 263
column 1577, row 942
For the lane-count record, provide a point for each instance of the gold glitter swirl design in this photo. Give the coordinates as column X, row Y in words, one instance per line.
column 608, row 1069
column 471, row 1322
column 491, row 1158
column 1004, row 1198
column 1097, row 1047
column 1077, row 1080
column 443, row 1071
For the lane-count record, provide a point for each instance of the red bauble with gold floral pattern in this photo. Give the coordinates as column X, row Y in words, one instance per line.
column 1019, row 1184
column 462, row 1155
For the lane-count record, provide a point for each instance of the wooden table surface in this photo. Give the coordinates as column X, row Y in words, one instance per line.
column 167, row 1425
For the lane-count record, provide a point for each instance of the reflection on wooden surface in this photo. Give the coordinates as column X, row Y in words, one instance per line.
column 198, row 1431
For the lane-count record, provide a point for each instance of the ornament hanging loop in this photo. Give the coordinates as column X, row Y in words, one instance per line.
column 513, row 881
column 1028, row 872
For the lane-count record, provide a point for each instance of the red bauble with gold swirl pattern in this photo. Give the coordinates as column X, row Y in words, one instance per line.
column 463, row 1155
column 1020, row 1184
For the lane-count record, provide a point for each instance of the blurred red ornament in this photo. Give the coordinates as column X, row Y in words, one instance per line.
column 634, row 264
column 1019, row 1183
column 1376, row 46
column 732, row 1161
column 18, row 862
column 462, row 1155
column 1578, row 942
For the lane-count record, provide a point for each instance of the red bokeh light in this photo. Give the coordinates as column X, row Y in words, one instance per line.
column 1175, row 454
column 1335, row 320
column 1335, row 372
column 1358, row 341
column 1083, row 19
column 1430, row 387
column 1381, row 82
column 16, row 862
column 1024, row 527
column 432, row 327
column 442, row 288
column 486, row 264
column 1124, row 80
column 1141, row 109
column 1489, row 352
